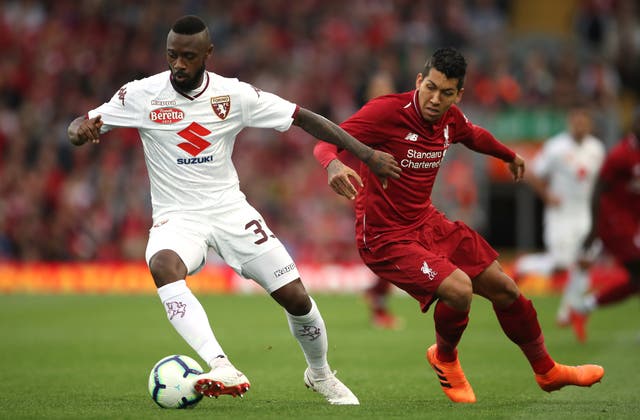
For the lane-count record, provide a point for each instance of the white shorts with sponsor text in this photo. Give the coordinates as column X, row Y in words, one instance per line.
column 237, row 233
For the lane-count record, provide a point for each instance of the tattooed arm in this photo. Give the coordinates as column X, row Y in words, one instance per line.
column 382, row 164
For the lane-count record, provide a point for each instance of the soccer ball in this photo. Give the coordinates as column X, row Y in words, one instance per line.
column 171, row 382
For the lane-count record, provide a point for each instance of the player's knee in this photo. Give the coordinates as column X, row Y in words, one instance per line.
column 510, row 290
column 166, row 267
column 504, row 291
column 299, row 306
column 456, row 291
column 293, row 298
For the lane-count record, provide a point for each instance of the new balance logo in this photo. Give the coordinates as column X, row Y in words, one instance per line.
column 193, row 135
column 411, row 137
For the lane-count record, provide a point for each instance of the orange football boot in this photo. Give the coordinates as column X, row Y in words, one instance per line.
column 562, row 375
column 451, row 377
column 386, row 321
column 579, row 323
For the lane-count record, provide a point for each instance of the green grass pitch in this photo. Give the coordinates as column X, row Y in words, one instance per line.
column 84, row 357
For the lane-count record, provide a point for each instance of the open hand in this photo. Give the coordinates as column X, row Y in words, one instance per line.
column 516, row 167
column 339, row 177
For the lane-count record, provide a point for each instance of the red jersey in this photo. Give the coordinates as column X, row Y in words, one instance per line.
column 394, row 124
column 621, row 172
column 618, row 221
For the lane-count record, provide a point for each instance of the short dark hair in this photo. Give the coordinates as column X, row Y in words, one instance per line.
column 449, row 62
column 188, row 25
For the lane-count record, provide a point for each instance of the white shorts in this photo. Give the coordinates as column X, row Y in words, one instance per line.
column 563, row 236
column 237, row 233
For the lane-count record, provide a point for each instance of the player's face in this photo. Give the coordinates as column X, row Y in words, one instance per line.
column 186, row 56
column 579, row 124
column 436, row 94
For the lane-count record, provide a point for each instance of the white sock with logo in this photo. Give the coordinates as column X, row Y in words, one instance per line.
column 188, row 317
column 311, row 333
column 576, row 287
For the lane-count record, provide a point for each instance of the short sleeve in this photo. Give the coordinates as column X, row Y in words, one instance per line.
column 123, row 110
column 266, row 110
column 464, row 126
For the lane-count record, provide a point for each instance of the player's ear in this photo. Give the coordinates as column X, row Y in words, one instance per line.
column 419, row 79
column 459, row 95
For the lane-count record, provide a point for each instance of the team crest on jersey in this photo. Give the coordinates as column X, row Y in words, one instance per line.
column 446, row 136
column 221, row 106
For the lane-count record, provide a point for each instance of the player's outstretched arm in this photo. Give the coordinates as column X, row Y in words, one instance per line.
column 82, row 130
column 382, row 164
column 587, row 253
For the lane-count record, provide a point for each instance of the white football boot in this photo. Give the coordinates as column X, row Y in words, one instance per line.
column 223, row 379
column 331, row 388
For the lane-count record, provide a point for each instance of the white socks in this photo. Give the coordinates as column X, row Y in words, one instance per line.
column 576, row 287
column 188, row 317
column 589, row 304
column 190, row 320
column 311, row 333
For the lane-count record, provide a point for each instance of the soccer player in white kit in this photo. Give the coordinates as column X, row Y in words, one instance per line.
column 564, row 175
column 188, row 119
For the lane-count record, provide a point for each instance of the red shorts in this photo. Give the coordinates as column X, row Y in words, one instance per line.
column 419, row 260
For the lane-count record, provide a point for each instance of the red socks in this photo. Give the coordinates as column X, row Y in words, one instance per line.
column 519, row 321
column 450, row 324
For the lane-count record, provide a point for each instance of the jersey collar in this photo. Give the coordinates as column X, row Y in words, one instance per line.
column 416, row 108
column 416, row 104
column 193, row 94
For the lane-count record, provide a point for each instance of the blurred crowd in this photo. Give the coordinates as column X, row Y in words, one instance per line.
column 64, row 57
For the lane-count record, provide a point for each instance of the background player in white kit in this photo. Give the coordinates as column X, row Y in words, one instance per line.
column 188, row 119
column 564, row 175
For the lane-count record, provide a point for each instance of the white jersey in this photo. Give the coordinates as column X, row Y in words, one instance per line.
column 188, row 139
column 571, row 169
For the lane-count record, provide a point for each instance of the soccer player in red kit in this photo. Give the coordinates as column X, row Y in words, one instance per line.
column 616, row 212
column 404, row 239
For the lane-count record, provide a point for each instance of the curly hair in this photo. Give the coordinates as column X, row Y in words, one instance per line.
column 449, row 62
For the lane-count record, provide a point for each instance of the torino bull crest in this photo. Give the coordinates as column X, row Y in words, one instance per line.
column 221, row 106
